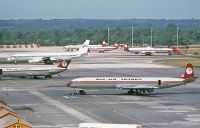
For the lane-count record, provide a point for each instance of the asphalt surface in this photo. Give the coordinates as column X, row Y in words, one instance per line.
column 47, row 103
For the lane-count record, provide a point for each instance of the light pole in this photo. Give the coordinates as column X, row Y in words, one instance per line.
column 132, row 37
column 108, row 35
column 177, row 36
column 151, row 38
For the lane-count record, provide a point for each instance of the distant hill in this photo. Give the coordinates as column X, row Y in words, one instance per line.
column 73, row 31
column 92, row 23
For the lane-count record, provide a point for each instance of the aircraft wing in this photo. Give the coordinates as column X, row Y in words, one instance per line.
column 46, row 60
column 135, row 86
column 36, row 60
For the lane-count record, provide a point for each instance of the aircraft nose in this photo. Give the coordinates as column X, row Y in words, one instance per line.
column 69, row 84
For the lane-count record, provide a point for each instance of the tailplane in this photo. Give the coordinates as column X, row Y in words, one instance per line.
column 189, row 72
column 64, row 64
column 83, row 50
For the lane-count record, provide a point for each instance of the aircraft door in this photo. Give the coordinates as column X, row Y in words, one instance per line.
column 1, row 73
column 159, row 82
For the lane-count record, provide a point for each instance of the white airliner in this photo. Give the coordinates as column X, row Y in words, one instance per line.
column 33, row 70
column 99, row 48
column 135, row 85
column 152, row 51
column 47, row 58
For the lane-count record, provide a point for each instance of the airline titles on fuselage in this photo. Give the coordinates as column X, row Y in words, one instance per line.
column 14, row 69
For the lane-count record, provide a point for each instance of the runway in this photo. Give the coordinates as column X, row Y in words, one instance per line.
column 47, row 103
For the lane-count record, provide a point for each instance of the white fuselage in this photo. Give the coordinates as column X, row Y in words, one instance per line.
column 151, row 50
column 125, row 82
column 91, row 47
column 30, row 71
column 53, row 56
column 103, row 48
column 32, row 56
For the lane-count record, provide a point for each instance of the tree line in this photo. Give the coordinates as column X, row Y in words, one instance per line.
column 63, row 36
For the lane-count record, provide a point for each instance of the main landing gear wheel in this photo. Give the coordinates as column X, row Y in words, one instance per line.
column 80, row 92
column 48, row 76
column 139, row 92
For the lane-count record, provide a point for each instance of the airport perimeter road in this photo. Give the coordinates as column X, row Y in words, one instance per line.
column 47, row 103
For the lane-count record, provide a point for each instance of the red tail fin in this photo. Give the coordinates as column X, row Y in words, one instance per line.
column 126, row 47
column 64, row 64
column 176, row 51
column 116, row 45
column 189, row 72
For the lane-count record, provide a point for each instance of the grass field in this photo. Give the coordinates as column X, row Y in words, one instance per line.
column 179, row 62
column 191, row 50
column 195, row 59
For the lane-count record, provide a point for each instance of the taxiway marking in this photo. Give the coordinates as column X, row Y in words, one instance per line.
column 64, row 107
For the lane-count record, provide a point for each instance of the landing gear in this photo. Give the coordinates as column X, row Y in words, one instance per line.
column 148, row 53
column 48, row 76
column 48, row 61
column 101, row 51
column 140, row 91
column 80, row 92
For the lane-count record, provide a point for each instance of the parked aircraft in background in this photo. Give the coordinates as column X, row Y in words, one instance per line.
column 98, row 48
column 34, row 71
column 76, row 47
column 135, row 85
column 152, row 51
column 47, row 58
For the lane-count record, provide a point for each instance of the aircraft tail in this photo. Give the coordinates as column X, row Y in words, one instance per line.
column 104, row 44
column 86, row 43
column 126, row 47
column 116, row 45
column 64, row 64
column 83, row 50
column 189, row 72
column 176, row 51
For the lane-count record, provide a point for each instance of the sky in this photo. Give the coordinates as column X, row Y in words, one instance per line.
column 99, row 9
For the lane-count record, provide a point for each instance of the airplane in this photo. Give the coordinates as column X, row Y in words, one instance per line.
column 103, row 48
column 135, row 85
column 34, row 71
column 152, row 51
column 48, row 58
column 99, row 48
